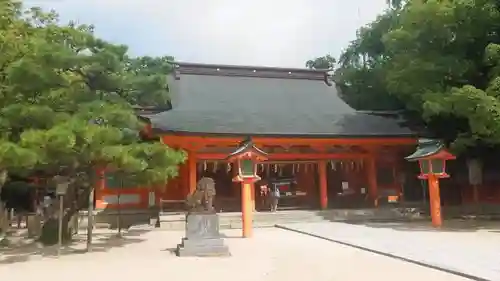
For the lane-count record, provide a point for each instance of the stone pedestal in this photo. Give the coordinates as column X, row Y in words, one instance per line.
column 202, row 237
column 34, row 224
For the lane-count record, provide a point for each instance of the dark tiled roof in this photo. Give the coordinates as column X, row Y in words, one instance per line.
column 149, row 110
column 211, row 99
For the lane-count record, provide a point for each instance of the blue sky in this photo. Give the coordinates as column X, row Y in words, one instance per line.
column 282, row 33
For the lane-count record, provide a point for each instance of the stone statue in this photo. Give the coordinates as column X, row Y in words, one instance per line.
column 201, row 200
column 202, row 224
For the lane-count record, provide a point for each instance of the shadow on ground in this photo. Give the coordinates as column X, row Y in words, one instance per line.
column 24, row 249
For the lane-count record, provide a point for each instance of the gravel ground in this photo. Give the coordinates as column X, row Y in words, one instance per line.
column 272, row 254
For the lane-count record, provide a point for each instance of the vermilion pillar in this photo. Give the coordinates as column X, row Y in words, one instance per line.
column 100, row 185
column 246, row 208
column 323, row 188
column 435, row 200
column 192, row 171
column 371, row 170
column 310, row 181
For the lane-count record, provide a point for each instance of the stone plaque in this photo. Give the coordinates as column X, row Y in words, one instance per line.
column 199, row 226
column 202, row 237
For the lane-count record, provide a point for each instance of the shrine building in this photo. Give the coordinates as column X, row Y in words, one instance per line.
column 321, row 152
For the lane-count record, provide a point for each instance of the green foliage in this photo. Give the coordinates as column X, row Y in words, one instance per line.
column 15, row 156
column 67, row 100
column 324, row 62
column 437, row 60
column 362, row 68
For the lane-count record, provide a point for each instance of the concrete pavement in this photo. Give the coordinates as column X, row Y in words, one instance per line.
column 469, row 250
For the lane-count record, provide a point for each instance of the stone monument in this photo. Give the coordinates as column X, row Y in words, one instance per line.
column 202, row 224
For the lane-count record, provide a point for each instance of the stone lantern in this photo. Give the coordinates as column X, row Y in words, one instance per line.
column 432, row 156
column 246, row 157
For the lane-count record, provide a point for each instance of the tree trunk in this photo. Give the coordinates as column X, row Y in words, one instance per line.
column 4, row 221
column 119, row 216
column 119, row 213
column 50, row 228
column 90, row 218
column 475, row 167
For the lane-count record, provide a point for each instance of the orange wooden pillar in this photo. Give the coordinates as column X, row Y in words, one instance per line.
column 435, row 201
column 100, row 185
column 310, row 181
column 192, row 177
column 323, row 185
column 371, row 171
column 246, row 209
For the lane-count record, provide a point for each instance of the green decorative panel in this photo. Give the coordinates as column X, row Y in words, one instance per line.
column 438, row 166
column 113, row 181
column 247, row 168
column 425, row 167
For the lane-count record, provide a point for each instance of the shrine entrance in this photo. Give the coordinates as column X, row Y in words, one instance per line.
column 310, row 173
column 296, row 181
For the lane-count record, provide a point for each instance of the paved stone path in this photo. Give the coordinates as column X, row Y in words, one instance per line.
column 473, row 251
column 271, row 255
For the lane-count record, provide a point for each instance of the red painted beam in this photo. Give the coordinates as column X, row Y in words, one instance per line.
column 288, row 141
column 290, row 156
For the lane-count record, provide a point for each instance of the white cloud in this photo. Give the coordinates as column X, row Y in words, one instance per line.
column 258, row 32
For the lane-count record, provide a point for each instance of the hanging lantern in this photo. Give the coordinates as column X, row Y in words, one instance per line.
column 352, row 165
column 205, row 166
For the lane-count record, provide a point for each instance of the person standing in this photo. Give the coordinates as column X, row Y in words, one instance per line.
column 263, row 191
column 275, row 197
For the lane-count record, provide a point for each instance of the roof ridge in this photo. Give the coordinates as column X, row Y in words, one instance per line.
column 251, row 71
column 252, row 67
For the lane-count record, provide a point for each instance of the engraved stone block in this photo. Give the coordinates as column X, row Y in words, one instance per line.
column 200, row 226
column 202, row 237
